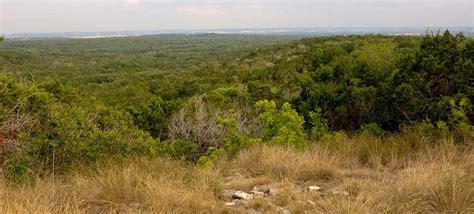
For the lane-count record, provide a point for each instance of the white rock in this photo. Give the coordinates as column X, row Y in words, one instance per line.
column 230, row 204
column 257, row 193
column 258, row 188
column 265, row 190
column 314, row 188
column 241, row 195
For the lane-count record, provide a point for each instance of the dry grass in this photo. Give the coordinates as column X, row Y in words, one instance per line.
column 382, row 178
column 284, row 163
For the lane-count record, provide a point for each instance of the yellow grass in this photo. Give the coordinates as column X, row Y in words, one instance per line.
column 380, row 177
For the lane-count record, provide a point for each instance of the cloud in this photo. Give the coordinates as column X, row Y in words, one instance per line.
column 200, row 10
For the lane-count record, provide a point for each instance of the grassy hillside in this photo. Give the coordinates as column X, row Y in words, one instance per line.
column 179, row 123
column 354, row 177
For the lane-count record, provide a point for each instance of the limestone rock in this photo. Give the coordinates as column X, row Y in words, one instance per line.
column 266, row 190
column 314, row 188
column 230, row 204
column 241, row 195
column 257, row 193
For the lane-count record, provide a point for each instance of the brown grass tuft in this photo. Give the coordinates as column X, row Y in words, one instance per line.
column 285, row 163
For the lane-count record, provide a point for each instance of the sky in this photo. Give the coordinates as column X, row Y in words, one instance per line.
column 19, row 16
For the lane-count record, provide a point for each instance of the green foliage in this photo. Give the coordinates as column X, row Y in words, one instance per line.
column 209, row 160
column 61, row 134
column 442, row 68
column 180, row 149
column 281, row 126
column 319, row 125
column 389, row 81
column 233, row 140
column 442, row 127
column 260, row 90
column 153, row 115
column 458, row 111
column 18, row 169
column 225, row 95
column 371, row 129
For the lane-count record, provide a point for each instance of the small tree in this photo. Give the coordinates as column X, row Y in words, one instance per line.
column 152, row 116
column 319, row 126
column 281, row 126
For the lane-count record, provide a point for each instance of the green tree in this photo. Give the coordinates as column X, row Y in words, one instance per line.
column 281, row 126
column 442, row 67
column 153, row 115
column 319, row 126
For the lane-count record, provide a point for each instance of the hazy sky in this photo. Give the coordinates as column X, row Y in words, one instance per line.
column 130, row 15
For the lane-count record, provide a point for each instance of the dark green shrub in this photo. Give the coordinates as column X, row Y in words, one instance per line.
column 181, row 149
column 153, row 116
column 371, row 129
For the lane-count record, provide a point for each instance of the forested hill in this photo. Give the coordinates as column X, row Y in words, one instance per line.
column 201, row 96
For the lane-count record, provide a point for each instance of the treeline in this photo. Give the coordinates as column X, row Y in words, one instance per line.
column 202, row 97
column 390, row 82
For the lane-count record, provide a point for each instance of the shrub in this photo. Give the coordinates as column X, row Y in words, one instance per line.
column 260, row 90
column 281, row 126
column 371, row 128
column 319, row 126
column 180, row 149
column 213, row 154
column 459, row 110
column 207, row 125
column 196, row 122
column 233, row 140
column 46, row 129
column 153, row 116
column 223, row 95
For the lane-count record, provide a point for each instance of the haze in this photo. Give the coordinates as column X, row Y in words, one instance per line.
column 133, row 15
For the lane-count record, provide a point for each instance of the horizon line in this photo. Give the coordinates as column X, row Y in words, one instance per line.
column 243, row 28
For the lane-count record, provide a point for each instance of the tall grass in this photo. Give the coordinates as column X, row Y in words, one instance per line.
column 397, row 174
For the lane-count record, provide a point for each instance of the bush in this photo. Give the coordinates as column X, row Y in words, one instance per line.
column 371, row 129
column 153, row 116
column 281, row 126
column 45, row 129
column 204, row 125
column 180, row 149
column 319, row 126
column 233, row 140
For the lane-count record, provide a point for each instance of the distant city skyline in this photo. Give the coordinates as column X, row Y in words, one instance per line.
column 19, row 16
